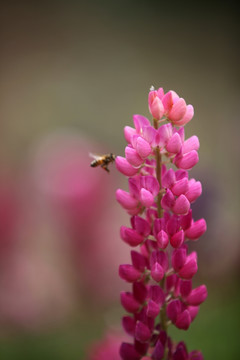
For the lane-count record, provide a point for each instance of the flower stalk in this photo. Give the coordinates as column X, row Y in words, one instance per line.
column 159, row 204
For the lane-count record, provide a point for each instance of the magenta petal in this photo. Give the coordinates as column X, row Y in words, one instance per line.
column 138, row 260
column 183, row 320
column 168, row 200
column 173, row 310
column 157, row 294
column 173, row 225
column 140, row 291
column 162, row 239
column 129, row 324
column 156, row 108
column 132, row 157
column 179, row 257
column 158, row 225
column 181, row 206
column 149, row 134
column 178, row 110
column 187, row 161
column 141, row 225
column 161, row 257
column 177, row 239
column 157, row 272
column 158, row 352
column 129, row 273
column 181, row 352
column 128, row 352
column 143, row 148
column 195, row 190
column 134, row 186
column 180, row 187
column 128, row 302
column 124, row 167
column 174, row 144
column 185, row 287
column 187, row 116
column 150, row 183
column 146, row 198
column 186, row 220
column 125, row 199
column 169, row 178
column 142, row 332
column 196, row 230
column 189, row 269
column 130, row 236
column 167, row 101
column 152, row 309
column 190, row 144
column 128, row 132
column 163, row 134
column 140, row 121
column 197, row 296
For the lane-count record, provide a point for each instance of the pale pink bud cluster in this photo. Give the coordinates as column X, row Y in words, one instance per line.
column 170, row 106
column 159, row 200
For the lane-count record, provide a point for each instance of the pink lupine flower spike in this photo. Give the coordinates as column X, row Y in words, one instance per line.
column 161, row 225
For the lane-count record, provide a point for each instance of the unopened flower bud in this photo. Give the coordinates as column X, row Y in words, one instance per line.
column 129, row 273
column 129, row 303
column 126, row 200
column 177, row 239
column 129, row 324
column 142, row 332
column 188, row 161
column 132, row 157
column 196, row 230
column 181, row 206
column 124, row 167
column 174, row 144
column 157, row 272
column 180, row 187
column 162, row 239
column 183, row 320
column 197, row 296
column 152, row 309
column 131, row 236
column 127, row 352
column 179, row 257
column 143, row 148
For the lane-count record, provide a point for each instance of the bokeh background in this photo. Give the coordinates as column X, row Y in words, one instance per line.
column 72, row 75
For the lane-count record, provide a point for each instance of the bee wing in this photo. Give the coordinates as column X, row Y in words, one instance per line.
column 95, row 156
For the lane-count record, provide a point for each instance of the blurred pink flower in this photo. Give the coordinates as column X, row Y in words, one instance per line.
column 83, row 209
column 108, row 348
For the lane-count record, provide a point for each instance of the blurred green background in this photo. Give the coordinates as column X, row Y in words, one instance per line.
column 72, row 75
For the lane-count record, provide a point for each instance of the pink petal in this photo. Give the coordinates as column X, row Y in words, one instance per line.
column 143, row 148
column 140, row 121
column 190, row 144
column 125, row 199
column 124, row 167
column 132, row 157
column 178, row 110
column 187, row 116
column 146, row 197
column 174, row 144
column 181, row 206
column 128, row 132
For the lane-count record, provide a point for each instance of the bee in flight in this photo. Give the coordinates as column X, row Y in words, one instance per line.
column 102, row 160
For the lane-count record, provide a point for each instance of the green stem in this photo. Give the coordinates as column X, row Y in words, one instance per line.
column 158, row 174
column 158, row 157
